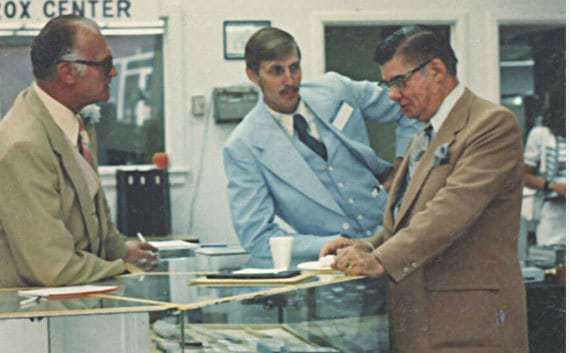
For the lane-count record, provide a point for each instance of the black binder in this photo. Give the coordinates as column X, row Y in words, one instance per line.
column 143, row 202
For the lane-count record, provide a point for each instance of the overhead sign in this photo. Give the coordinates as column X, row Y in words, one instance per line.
column 46, row 9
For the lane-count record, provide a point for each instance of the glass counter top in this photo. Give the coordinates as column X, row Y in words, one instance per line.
column 14, row 306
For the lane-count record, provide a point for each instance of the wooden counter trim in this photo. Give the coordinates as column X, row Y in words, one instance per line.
column 79, row 312
column 339, row 278
column 135, row 300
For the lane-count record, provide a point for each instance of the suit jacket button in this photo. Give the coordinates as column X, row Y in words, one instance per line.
column 345, row 226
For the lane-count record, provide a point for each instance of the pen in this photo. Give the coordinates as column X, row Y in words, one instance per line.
column 141, row 238
column 30, row 300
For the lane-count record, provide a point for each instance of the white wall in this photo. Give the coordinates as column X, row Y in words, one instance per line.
column 194, row 65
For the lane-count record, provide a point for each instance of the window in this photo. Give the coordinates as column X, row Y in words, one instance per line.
column 131, row 127
column 349, row 50
column 532, row 57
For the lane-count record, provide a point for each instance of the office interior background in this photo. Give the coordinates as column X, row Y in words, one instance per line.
column 181, row 83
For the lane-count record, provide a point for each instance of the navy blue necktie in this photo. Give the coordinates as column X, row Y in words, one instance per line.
column 302, row 127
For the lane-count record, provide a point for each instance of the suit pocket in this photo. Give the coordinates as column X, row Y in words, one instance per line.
column 464, row 318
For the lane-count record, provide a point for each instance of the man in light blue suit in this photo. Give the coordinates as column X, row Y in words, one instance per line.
column 302, row 154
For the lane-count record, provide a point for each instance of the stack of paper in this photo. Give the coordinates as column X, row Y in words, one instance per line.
column 173, row 244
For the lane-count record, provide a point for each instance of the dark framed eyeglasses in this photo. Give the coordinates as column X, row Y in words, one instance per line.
column 106, row 64
column 400, row 81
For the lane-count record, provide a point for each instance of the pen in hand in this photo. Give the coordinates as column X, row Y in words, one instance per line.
column 30, row 300
column 143, row 261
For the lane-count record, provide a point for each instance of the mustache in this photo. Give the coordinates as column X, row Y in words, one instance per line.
column 289, row 89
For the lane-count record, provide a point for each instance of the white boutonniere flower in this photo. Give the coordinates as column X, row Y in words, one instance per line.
column 91, row 114
column 441, row 155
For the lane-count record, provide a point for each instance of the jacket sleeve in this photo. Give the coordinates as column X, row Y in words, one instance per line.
column 43, row 249
column 376, row 106
column 253, row 208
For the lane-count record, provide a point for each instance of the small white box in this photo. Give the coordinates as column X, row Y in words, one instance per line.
column 221, row 258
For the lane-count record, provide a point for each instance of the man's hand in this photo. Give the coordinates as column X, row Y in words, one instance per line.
column 354, row 261
column 559, row 188
column 332, row 246
column 141, row 254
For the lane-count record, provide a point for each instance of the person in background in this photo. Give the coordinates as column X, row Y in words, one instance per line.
column 545, row 168
column 449, row 243
column 302, row 154
column 55, row 226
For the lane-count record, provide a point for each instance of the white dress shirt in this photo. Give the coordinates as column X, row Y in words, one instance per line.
column 439, row 117
column 64, row 118
column 286, row 120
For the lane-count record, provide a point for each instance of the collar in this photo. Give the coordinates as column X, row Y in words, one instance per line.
column 64, row 118
column 285, row 120
column 438, row 119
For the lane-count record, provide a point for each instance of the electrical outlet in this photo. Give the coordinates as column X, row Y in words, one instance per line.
column 198, row 105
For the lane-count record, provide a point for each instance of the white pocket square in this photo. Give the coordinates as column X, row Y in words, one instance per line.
column 441, row 155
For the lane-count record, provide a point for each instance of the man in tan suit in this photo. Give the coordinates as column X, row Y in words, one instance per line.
column 55, row 227
column 449, row 246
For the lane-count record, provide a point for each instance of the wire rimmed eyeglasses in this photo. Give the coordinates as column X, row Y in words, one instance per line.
column 106, row 64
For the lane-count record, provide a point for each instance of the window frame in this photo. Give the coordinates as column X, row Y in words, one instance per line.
column 171, row 95
column 457, row 20
column 492, row 60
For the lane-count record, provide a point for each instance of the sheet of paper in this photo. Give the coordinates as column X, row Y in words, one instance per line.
column 69, row 291
column 173, row 244
column 257, row 270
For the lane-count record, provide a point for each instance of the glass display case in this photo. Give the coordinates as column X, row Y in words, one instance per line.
column 174, row 310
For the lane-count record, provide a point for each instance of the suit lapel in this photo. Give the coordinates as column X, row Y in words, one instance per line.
column 63, row 149
column 399, row 179
column 454, row 122
column 279, row 155
column 321, row 109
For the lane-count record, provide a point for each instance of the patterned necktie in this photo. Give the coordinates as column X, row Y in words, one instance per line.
column 418, row 147
column 302, row 128
column 83, row 142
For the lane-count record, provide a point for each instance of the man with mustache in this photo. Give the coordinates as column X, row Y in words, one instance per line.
column 55, row 226
column 302, row 154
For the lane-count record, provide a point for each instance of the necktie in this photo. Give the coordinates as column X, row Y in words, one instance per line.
column 418, row 147
column 302, row 128
column 83, row 142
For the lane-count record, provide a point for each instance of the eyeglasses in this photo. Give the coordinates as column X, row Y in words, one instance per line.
column 400, row 81
column 106, row 64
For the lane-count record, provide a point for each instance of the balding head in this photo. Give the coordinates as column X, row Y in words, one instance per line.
column 55, row 40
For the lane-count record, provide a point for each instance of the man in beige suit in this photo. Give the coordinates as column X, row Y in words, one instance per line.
column 449, row 246
column 55, row 227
